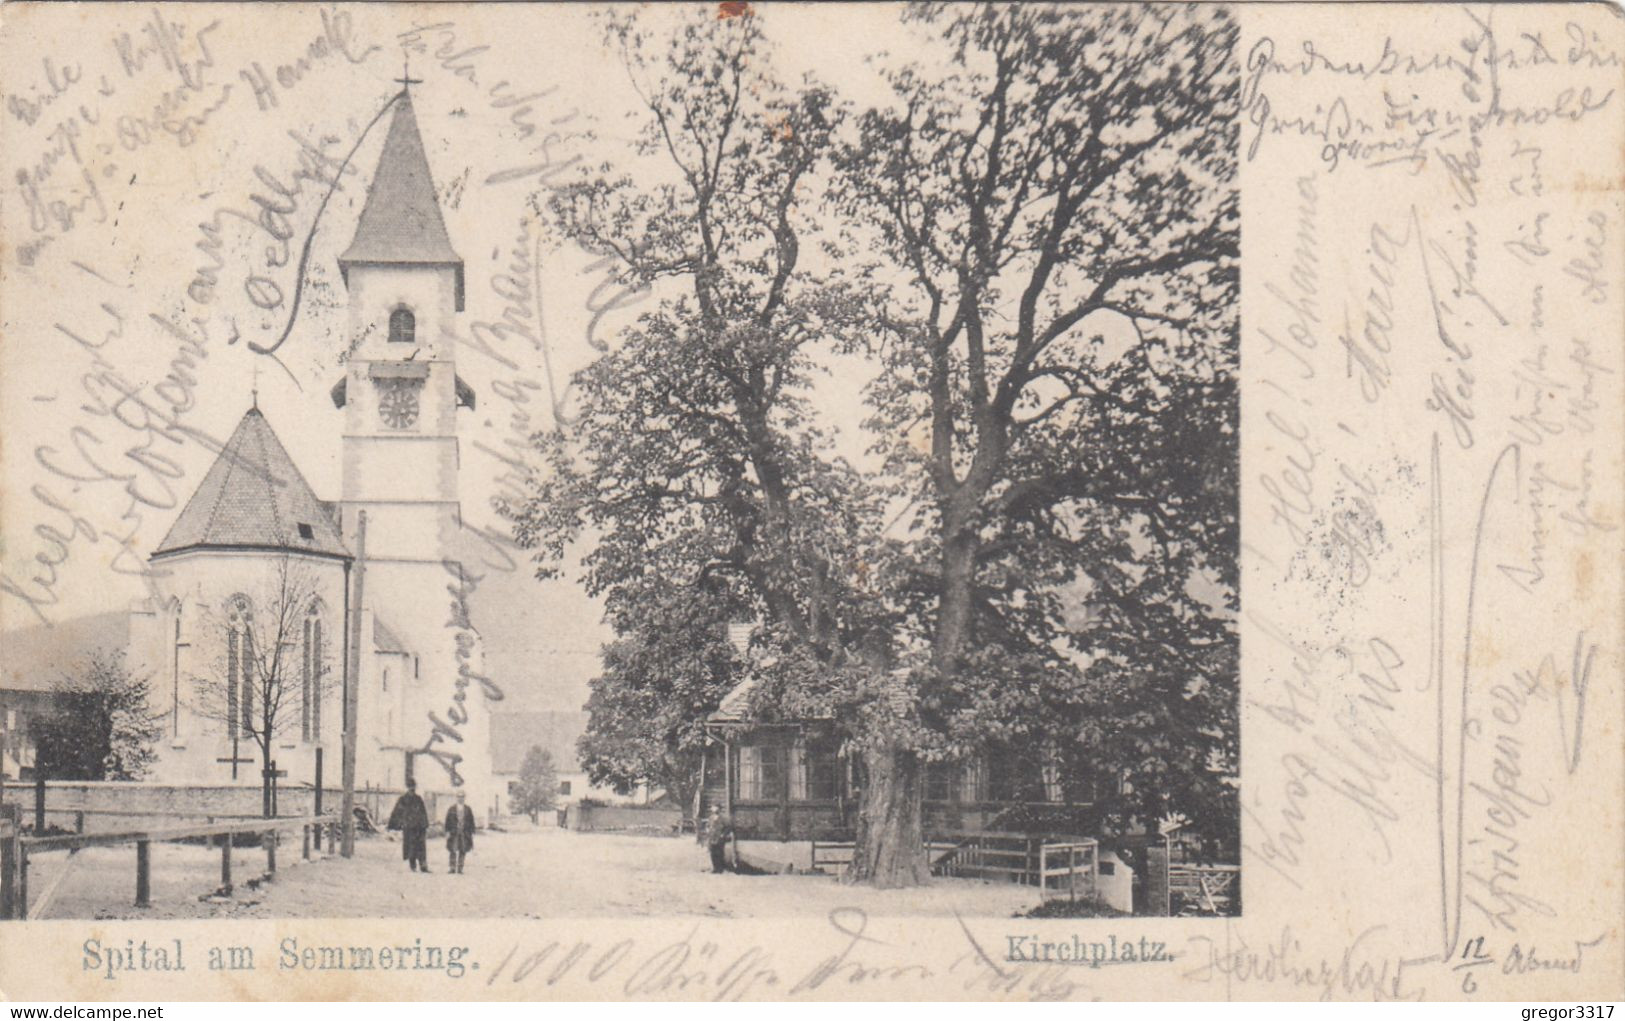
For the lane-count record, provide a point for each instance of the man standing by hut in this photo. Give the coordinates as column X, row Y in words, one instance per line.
column 717, row 832
column 459, row 832
column 412, row 819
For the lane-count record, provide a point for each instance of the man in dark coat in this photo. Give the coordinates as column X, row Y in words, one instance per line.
column 412, row 819
column 459, row 832
column 717, row 832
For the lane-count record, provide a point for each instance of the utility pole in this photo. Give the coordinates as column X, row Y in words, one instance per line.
column 352, row 681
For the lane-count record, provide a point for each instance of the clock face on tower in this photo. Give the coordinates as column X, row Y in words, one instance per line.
column 398, row 402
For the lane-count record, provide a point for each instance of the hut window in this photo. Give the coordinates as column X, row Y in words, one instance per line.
column 814, row 774
column 976, row 779
column 402, row 326
column 761, row 774
column 1054, row 792
column 942, row 781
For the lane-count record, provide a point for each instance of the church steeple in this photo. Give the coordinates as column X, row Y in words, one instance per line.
column 401, row 224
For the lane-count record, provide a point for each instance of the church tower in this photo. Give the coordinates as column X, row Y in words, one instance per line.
column 401, row 395
column 400, row 389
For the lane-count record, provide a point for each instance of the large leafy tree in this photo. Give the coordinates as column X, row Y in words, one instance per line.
column 696, row 462
column 1036, row 246
column 669, row 669
column 1056, row 208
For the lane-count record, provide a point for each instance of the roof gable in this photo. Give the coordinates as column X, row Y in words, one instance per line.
column 253, row 496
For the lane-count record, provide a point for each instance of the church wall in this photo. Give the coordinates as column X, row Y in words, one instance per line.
column 201, row 583
column 414, row 601
column 380, row 746
column 406, row 532
column 427, row 291
column 390, row 468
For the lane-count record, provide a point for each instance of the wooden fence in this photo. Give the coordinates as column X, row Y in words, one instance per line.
column 1209, row 889
column 1069, row 870
column 16, row 849
column 1058, row 866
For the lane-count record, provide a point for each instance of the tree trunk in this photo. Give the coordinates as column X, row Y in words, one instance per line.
column 265, row 783
column 889, row 850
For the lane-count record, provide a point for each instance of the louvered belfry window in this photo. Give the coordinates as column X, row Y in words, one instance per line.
column 402, row 327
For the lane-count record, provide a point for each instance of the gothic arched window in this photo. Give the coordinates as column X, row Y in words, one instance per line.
column 313, row 672
column 402, row 326
column 239, row 667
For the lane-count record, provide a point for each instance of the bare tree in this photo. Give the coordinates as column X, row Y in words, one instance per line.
column 270, row 674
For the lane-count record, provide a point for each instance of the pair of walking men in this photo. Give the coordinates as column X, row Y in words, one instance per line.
column 411, row 817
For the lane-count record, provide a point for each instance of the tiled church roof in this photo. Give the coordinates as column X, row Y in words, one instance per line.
column 401, row 222
column 253, row 496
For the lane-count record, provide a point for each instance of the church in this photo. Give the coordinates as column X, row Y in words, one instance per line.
column 266, row 586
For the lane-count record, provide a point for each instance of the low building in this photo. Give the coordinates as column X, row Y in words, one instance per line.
column 37, row 660
column 556, row 732
column 788, row 780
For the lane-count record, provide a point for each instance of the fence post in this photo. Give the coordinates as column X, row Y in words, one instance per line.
column 1158, row 881
column 225, row 861
column 305, row 831
column 143, row 874
column 10, row 846
column 21, row 905
column 270, row 851
column 39, row 806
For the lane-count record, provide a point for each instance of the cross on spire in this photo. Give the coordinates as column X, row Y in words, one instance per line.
column 254, row 391
column 406, row 79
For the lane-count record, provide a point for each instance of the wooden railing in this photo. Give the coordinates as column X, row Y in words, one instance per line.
column 1207, row 888
column 831, row 852
column 15, row 851
column 1020, row 858
column 1058, row 866
column 1069, row 869
column 838, row 852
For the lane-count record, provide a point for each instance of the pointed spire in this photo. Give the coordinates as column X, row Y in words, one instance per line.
column 401, row 223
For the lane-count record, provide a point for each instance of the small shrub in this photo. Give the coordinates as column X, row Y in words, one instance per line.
column 1073, row 909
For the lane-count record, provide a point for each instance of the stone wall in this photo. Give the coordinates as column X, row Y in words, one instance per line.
column 624, row 817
